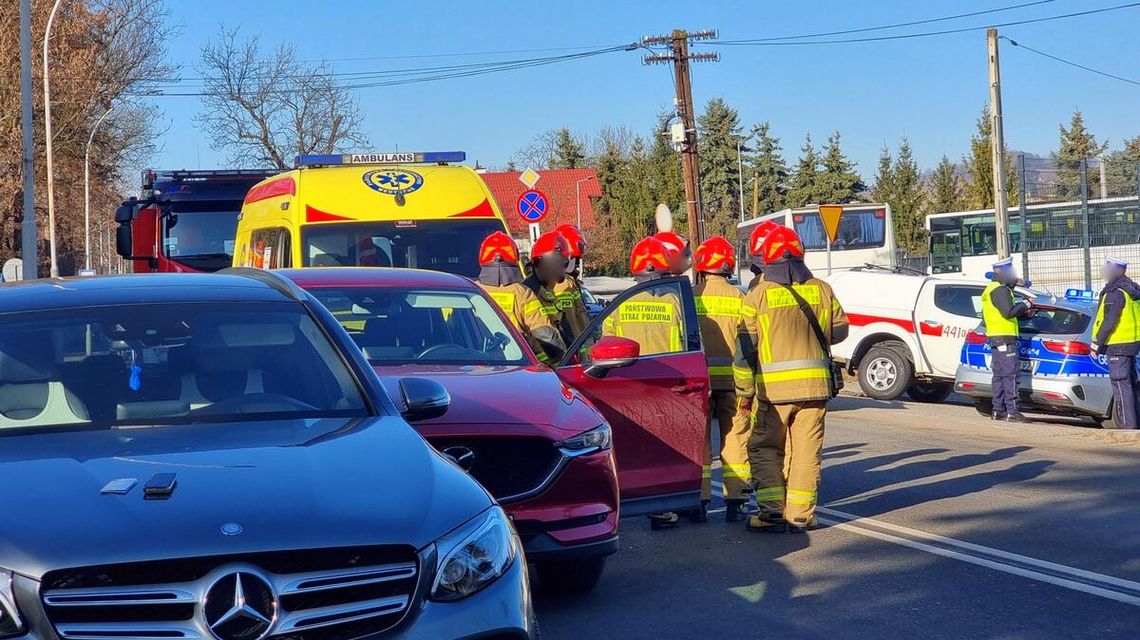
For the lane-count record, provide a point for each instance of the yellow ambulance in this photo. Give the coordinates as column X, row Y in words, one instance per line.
column 416, row 210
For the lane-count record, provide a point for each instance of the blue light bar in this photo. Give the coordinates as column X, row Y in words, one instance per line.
column 1084, row 295
column 399, row 157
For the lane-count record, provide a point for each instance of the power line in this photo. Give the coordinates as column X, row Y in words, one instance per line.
column 899, row 24
column 1071, row 63
column 925, row 34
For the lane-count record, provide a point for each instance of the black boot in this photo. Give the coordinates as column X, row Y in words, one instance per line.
column 999, row 417
column 666, row 520
column 734, row 510
column 1017, row 417
column 700, row 515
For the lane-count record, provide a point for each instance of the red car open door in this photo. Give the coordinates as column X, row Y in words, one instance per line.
column 640, row 362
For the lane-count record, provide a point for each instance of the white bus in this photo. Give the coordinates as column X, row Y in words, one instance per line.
column 866, row 236
column 965, row 242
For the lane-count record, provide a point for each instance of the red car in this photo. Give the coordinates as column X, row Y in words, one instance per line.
column 552, row 446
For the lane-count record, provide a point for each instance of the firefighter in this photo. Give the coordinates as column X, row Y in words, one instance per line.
column 679, row 253
column 499, row 275
column 1000, row 313
column 548, row 263
column 755, row 243
column 568, row 292
column 791, row 320
column 718, row 312
column 1116, row 335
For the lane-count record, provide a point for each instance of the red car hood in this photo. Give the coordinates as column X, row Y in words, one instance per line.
column 504, row 396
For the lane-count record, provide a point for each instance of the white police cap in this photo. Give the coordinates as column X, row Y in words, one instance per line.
column 1116, row 262
column 1003, row 264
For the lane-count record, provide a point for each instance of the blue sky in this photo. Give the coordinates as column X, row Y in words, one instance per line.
column 928, row 89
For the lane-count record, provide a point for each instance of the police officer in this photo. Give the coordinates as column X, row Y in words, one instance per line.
column 718, row 313
column 1116, row 335
column 568, row 292
column 791, row 319
column 500, row 277
column 1000, row 313
column 548, row 262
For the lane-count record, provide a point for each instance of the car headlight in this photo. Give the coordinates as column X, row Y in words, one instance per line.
column 474, row 556
column 596, row 439
column 10, row 622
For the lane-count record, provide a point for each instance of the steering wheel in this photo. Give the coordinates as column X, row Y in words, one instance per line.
column 439, row 347
column 255, row 403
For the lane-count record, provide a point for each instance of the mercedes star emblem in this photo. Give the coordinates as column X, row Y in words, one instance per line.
column 463, row 456
column 240, row 606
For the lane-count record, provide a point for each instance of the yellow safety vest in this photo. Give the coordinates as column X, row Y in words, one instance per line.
column 1127, row 329
column 718, row 313
column 997, row 325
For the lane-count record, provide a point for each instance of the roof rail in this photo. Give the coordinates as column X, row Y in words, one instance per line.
column 279, row 283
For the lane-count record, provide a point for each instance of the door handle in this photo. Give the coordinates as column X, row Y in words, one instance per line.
column 681, row 389
column 932, row 323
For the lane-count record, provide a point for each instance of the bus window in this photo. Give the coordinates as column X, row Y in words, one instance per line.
column 945, row 245
column 864, row 229
column 979, row 235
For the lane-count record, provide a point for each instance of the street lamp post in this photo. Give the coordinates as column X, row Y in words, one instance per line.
column 87, row 189
column 740, row 170
column 47, row 144
column 578, row 198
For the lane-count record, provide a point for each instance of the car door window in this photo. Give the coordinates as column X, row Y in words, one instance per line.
column 653, row 317
column 960, row 300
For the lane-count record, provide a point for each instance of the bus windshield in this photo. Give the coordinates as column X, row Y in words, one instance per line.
column 864, row 229
column 442, row 245
column 200, row 238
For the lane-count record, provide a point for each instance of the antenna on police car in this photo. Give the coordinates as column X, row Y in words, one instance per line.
column 663, row 217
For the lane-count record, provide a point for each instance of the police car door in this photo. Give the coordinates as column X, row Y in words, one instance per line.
column 655, row 402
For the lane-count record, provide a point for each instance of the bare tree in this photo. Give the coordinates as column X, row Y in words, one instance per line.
column 266, row 108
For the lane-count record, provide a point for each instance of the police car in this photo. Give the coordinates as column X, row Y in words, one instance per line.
column 1059, row 373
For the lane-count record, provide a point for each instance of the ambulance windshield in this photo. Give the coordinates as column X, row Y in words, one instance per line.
column 441, row 245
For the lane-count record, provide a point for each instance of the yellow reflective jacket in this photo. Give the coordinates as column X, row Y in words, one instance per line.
column 781, row 360
column 568, row 298
column 655, row 321
column 718, row 312
column 526, row 312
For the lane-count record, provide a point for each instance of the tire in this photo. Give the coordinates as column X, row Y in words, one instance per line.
column 1113, row 419
column 927, row 391
column 984, row 406
column 569, row 577
column 885, row 372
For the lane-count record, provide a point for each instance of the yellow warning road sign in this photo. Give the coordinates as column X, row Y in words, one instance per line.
column 830, row 214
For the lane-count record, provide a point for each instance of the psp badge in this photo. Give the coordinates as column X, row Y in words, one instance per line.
column 394, row 182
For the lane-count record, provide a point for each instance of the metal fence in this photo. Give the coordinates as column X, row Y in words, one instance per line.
column 1071, row 216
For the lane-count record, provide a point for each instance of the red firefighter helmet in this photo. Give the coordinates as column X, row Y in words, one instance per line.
column 782, row 243
column 498, row 247
column 575, row 240
column 548, row 244
column 648, row 256
column 715, row 255
column 675, row 243
column 759, row 234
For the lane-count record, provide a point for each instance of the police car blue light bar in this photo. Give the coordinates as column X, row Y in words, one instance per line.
column 397, row 157
column 1086, row 295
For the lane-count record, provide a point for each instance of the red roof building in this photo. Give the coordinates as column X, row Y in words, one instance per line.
column 562, row 186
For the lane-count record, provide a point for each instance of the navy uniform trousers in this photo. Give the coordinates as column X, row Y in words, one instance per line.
column 1122, row 373
column 1004, row 381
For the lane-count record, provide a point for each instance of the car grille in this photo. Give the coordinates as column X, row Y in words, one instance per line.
column 323, row 594
column 512, row 469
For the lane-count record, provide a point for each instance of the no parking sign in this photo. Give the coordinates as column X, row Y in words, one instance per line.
column 532, row 206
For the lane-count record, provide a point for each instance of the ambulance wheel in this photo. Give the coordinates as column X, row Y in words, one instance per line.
column 984, row 406
column 926, row 391
column 885, row 373
column 570, row 577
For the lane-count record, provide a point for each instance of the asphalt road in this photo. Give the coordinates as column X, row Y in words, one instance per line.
column 940, row 525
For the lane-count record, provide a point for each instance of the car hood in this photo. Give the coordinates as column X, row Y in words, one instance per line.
column 508, row 396
column 294, row 484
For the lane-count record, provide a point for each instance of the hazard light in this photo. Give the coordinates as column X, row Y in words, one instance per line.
column 973, row 337
column 398, row 157
column 1067, row 347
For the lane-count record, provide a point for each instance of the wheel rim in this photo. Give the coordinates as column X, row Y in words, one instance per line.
column 882, row 374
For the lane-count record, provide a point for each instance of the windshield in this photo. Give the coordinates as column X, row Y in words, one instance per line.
column 200, row 239
column 396, row 326
column 442, row 245
column 857, row 230
column 169, row 364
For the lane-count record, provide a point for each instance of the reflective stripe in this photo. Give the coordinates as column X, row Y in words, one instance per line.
column 534, row 306
column 706, row 472
column 648, row 312
column 769, row 493
column 794, row 374
column 722, row 306
column 544, row 358
column 736, row 470
column 724, row 370
column 797, row 364
column 801, row 497
column 742, row 373
column 765, row 342
column 778, row 297
column 748, row 311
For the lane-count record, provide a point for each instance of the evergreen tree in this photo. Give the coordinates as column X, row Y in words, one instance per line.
column 804, row 186
column 719, row 130
column 1122, row 168
column 568, row 152
column 906, row 201
column 667, row 182
column 839, row 182
column 1076, row 144
column 769, row 172
column 945, row 193
column 884, row 189
column 979, row 167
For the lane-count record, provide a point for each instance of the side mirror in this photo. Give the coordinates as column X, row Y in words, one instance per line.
column 126, row 211
column 612, row 352
column 124, row 243
column 423, row 399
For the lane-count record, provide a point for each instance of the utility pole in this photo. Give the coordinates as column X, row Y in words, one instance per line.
column 29, row 236
column 755, row 194
column 679, row 57
column 1001, row 216
column 1103, row 177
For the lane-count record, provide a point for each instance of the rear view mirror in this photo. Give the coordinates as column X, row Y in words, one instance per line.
column 126, row 211
column 612, row 352
column 124, row 243
column 423, row 399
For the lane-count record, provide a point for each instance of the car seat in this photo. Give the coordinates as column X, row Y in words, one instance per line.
column 30, row 394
